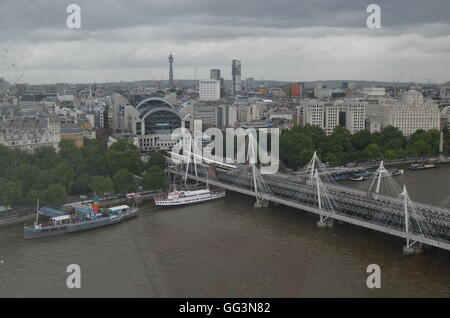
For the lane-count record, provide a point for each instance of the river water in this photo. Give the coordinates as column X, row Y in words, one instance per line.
column 227, row 248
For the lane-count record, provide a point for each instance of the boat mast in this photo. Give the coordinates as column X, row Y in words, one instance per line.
column 37, row 212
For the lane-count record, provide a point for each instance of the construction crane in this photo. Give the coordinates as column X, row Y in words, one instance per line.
column 20, row 76
column 396, row 85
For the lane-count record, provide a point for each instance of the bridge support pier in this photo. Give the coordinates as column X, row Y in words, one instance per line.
column 322, row 224
column 408, row 251
column 261, row 204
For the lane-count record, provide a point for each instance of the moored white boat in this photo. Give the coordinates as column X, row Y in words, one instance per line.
column 180, row 198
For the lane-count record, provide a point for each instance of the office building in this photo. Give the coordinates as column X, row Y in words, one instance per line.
column 408, row 114
column 30, row 134
column 236, row 77
column 329, row 114
column 209, row 90
column 214, row 74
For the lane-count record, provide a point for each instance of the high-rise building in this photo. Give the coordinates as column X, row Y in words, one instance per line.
column 209, row 90
column 250, row 83
column 236, row 76
column 171, row 83
column 215, row 74
column 349, row 113
column 209, row 114
column 296, row 90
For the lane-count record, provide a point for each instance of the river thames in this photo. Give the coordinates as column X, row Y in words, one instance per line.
column 227, row 248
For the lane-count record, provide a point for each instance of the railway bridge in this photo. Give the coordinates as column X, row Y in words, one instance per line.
column 419, row 224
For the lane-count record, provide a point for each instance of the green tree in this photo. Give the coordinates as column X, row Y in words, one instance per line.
column 124, row 181
column 55, row 193
column 82, row 184
column 390, row 154
column 32, row 196
column 26, row 173
column 101, row 185
column 156, row 159
column 373, row 151
column 124, row 155
column 62, row 173
column 70, row 153
column 46, row 157
column 10, row 192
column 154, row 178
column 361, row 139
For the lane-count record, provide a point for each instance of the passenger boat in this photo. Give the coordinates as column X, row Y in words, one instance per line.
column 357, row 178
column 396, row 172
column 421, row 166
column 85, row 218
column 181, row 198
column 339, row 176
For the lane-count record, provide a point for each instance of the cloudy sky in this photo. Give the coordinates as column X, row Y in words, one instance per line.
column 292, row 40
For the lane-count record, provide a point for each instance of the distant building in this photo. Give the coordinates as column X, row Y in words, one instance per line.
column 286, row 115
column 209, row 90
column 256, row 110
column 228, row 116
column 153, row 123
column 444, row 92
column 236, row 76
column 374, row 91
column 210, row 115
column 321, row 91
column 118, row 108
column 171, row 82
column 87, row 129
column 30, row 134
column 250, row 82
column 409, row 114
column 2, row 85
column 329, row 114
column 73, row 132
column 296, row 90
column 215, row 74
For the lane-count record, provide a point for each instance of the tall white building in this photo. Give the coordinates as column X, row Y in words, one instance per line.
column 209, row 90
column 236, row 76
column 409, row 114
column 349, row 113
column 353, row 114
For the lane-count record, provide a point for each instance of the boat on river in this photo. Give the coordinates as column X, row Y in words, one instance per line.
column 85, row 218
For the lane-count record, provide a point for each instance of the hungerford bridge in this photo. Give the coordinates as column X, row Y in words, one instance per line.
column 315, row 191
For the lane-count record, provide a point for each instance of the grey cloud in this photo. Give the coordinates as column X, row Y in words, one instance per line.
column 284, row 39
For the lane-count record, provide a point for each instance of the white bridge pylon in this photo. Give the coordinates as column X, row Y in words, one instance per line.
column 414, row 225
column 259, row 185
column 314, row 171
column 262, row 190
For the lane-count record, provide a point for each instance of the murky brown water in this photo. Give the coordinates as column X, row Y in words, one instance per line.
column 228, row 249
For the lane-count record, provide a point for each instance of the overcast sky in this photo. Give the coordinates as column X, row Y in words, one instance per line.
column 292, row 40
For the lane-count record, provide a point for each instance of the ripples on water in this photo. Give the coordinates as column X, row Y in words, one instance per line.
column 227, row 248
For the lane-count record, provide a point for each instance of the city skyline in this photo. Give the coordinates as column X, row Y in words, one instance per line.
column 287, row 41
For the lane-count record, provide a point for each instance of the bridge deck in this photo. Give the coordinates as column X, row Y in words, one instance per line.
column 335, row 214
